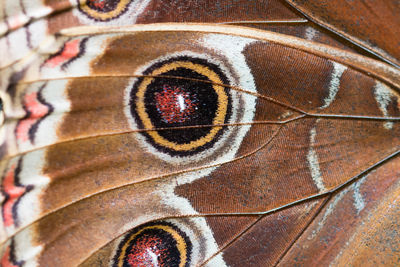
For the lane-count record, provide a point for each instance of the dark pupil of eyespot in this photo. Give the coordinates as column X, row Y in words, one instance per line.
column 179, row 103
column 102, row 5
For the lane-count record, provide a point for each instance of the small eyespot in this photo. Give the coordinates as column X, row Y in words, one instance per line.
column 154, row 244
column 103, row 10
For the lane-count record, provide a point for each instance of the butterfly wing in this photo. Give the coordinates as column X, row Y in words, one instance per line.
column 195, row 149
column 370, row 24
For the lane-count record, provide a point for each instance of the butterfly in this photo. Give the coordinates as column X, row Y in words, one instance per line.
column 199, row 133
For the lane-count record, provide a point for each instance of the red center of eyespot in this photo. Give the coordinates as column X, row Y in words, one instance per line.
column 98, row 3
column 175, row 105
column 148, row 251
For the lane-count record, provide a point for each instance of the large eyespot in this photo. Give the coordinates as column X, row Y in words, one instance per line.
column 154, row 244
column 103, row 10
column 196, row 97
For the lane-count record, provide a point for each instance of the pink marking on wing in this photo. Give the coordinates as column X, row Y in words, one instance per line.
column 71, row 50
column 14, row 193
column 6, row 259
column 16, row 21
column 37, row 110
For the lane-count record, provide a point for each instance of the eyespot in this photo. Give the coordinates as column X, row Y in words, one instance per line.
column 154, row 244
column 111, row 12
column 198, row 98
column 103, row 10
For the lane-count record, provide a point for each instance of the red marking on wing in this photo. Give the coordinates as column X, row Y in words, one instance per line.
column 98, row 3
column 174, row 104
column 147, row 251
column 5, row 259
column 36, row 110
column 70, row 50
column 13, row 192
